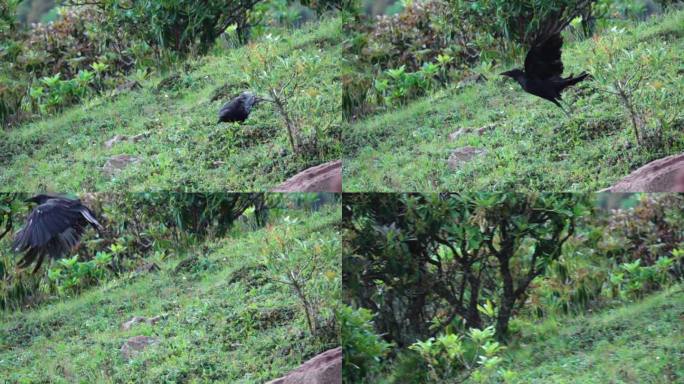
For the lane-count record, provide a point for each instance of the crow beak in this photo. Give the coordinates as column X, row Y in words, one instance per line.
column 507, row 73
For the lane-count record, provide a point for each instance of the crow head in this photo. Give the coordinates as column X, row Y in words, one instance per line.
column 514, row 74
column 248, row 100
column 39, row 199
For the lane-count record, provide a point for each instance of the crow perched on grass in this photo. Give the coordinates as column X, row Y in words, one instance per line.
column 238, row 109
column 53, row 229
column 544, row 69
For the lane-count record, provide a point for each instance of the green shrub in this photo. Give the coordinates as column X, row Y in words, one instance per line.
column 649, row 231
column 451, row 356
column 363, row 348
column 71, row 275
column 179, row 26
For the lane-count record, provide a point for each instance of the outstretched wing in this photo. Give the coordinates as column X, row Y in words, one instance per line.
column 53, row 229
column 543, row 61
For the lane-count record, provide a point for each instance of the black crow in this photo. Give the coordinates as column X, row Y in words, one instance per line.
column 238, row 109
column 53, row 229
column 544, row 69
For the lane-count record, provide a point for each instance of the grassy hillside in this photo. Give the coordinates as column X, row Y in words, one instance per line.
column 533, row 145
column 639, row 343
column 224, row 318
column 181, row 145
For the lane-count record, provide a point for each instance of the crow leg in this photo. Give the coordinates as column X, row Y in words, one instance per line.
column 560, row 106
column 567, row 105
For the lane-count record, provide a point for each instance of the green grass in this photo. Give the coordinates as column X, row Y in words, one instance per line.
column 185, row 148
column 225, row 321
column 638, row 343
column 534, row 146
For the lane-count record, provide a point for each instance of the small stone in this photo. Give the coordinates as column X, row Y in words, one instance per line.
column 117, row 163
column 136, row 344
column 140, row 319
column 463, row 155
column 116, row 139
column 127, row 86
column 472, row 79
column 456, row 134
column 489, row 127
column 140, row 136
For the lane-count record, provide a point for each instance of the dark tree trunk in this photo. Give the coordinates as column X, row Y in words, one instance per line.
column 473, row 319
column 507, row 300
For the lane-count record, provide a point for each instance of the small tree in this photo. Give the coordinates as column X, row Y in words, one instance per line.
column 298, row 263
column 421, row 261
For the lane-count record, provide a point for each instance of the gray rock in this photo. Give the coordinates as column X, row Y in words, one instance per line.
column 117, row 163
column 136, row 344
column 325, row 368
column 116, row 139
column 139, row 319
column 326, row 177
column 482, row 130
column 664, row 175
column 463, row 155
column 456, row 134
column 472, row 79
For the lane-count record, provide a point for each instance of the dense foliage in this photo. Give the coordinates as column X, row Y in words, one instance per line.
column 412, row 257
column 427, row 269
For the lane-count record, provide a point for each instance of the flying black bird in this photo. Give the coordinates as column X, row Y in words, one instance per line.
column 238, row 109
column 53, row 229
column 544, row 69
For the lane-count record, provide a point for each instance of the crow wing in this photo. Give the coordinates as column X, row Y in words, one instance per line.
column 231, row 111
column 53, row 228
column 45, row 222
column 543, row 61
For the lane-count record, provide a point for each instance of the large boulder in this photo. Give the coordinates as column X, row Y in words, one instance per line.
column 325, row 368
column 321, row 178
column 664, row 175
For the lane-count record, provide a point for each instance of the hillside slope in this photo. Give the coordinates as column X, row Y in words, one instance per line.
column 639, row 343
column 173, row 119
column 532, row 145
column 223, row 318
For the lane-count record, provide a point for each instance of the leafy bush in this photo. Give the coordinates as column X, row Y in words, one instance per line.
column 633, row 280
column 649, row 231
column 298, row 263
column 179, row 26
column 75, row 56
column 71, row 275
column 363, row 349
column 451, row 356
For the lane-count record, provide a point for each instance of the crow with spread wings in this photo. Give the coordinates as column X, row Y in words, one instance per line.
column 52, row 229
column 543, row 72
